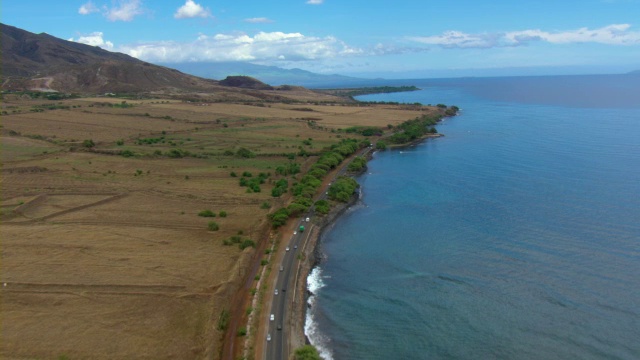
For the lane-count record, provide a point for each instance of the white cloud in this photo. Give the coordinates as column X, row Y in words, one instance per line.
column 258, row 20
column 88, row 8
column 190, row 9
column 315, row 2
column 616, row 34
column 125, row 10
column 457, row 39
column 263, row 46
column 94, row 39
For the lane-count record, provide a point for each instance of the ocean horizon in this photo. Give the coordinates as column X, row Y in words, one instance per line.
column 514, row 236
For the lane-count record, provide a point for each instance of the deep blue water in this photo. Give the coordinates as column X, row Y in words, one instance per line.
column 514, row 236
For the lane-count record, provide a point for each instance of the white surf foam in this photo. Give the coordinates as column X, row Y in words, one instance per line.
column 311, row 330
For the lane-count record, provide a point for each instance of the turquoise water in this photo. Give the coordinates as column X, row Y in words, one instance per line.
column 515, row 236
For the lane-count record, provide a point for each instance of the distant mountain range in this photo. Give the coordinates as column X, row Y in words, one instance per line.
column 46, row 63
column 269, row 74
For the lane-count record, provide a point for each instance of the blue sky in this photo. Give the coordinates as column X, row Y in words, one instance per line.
column 352, row 37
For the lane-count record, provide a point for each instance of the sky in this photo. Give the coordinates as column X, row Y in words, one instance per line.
column 352, row 37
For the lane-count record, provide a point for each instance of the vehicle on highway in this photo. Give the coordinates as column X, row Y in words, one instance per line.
column 295, row 246
column 307, row 219
column 301, row 228
column 268, row 337
column 281, row 268
column 276, row 292
column 279, row 327
column 273, row 317
column 295, row 232
column 287, row 248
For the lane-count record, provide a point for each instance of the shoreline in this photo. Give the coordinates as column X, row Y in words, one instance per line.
column 313, row 256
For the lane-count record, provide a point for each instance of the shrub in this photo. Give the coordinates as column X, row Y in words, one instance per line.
column 322, row 206
column 207, row 213
column 247, row 243
column 223, row 320
column 279, row 217
column 357, row 164
column 245, row 153
column 213, row 226
column 222, row 214
column 307, row 352
column 88, row 143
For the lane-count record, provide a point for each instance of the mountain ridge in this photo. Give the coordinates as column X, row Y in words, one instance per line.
column 44, row 62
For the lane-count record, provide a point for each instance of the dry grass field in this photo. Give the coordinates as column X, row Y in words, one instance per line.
column 104, row 256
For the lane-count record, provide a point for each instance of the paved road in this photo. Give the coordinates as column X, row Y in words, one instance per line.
column 278, row 327
column 277, row 331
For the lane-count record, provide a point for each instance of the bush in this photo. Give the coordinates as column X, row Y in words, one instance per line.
column 127, row 153
column 245, row 153
column 342, row 189
column 307, row 352
column 357, row 164
column 88, row 143
column 223, row 214
column 207, row 213
column 247, row 243
column 223, row 321
column 265, row 205
column 279, row 217
column 322, row 206
column 213, row 226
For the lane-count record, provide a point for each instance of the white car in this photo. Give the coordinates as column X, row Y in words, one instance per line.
column 272, row 317
column 276, row 292
column 287, row 248
column 307, row 219
column 295, row 232
column 268, row 337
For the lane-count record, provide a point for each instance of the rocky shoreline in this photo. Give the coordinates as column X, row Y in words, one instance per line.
column 312, row 257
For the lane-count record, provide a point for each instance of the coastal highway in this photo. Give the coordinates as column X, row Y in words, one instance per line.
column 277, row 347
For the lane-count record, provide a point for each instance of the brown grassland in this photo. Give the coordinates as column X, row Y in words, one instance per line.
column 105, row 256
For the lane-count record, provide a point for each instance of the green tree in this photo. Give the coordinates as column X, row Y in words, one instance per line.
column 307, row 352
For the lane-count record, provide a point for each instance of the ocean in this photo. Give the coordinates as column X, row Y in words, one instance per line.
column 514, row 236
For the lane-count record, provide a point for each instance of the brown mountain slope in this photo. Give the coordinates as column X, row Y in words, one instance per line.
column 44, row 62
